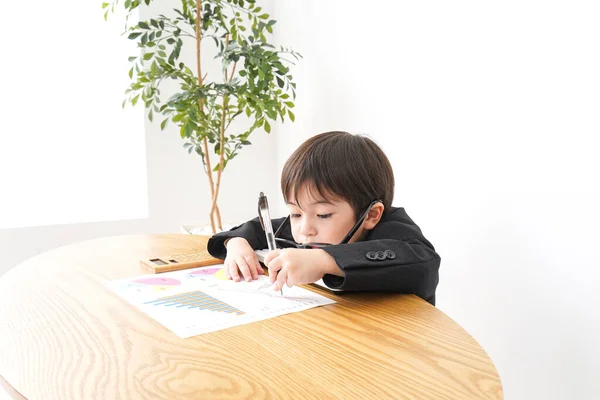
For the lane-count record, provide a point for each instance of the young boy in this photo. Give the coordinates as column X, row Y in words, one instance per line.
column 333, row 184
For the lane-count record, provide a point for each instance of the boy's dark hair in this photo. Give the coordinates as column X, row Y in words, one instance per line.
column 351, row 167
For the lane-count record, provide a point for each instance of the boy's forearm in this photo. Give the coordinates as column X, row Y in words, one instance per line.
column 330, row 266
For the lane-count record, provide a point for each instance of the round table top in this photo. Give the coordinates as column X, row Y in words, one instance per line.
column 64, row 335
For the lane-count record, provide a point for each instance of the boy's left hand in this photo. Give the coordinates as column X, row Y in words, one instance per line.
column 298, row 266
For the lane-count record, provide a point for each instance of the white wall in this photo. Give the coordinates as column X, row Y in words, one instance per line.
column 177, row 188
column 487, row 112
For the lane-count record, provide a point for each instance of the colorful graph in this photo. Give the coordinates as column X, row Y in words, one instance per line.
column 204, row 271
column 220, row 275
column 196, row 299
column 154, row 284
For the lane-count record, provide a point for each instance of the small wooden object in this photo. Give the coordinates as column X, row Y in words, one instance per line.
column 179, row 261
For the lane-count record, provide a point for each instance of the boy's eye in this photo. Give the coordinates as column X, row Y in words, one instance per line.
column 324, row 216
column 294, row 215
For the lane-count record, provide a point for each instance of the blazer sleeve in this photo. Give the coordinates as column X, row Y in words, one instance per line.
column 394, row 257
column 252, row 231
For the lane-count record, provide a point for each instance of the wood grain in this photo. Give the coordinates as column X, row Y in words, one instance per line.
column 63, row 335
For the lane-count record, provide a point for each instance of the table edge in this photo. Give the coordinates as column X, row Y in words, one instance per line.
column 11, row 391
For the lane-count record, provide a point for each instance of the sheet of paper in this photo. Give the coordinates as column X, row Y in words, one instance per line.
column 196, row 301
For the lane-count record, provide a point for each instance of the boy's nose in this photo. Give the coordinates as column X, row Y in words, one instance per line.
column 307, row 229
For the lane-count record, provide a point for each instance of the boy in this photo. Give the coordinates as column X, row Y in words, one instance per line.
column 342, row 227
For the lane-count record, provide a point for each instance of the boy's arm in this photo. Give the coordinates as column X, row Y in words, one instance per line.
column 395, row 257
column 252, row 231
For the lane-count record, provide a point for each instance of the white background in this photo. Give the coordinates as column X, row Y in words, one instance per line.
column 68, row 152
column 488, row 113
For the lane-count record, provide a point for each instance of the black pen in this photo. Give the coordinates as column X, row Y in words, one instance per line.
column 265, row 219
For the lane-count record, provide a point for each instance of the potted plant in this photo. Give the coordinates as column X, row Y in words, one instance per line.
column 255, row 81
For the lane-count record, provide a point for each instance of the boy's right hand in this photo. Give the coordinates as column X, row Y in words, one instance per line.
column 241, row 260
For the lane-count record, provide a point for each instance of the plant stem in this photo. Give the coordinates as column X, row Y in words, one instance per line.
column 201, row 108
column 221, row 157
column 222, row 138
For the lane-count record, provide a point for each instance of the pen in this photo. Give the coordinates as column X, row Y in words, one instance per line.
column 265, row 220
column 265, row 217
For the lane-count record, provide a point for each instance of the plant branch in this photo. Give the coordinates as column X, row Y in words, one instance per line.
column 201, row 109
column 222, row 138
column 232, row 72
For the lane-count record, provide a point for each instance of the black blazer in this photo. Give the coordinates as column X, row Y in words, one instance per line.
column 394, row 256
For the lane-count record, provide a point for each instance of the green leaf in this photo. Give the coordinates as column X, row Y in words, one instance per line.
column 143, row 25
column 133, row 35
column 135, row 100
column 104, row 5
column 271, row 114
column 163, row 124
column 263, row 16
column 148, row 56
column 280, row 82
column 292, row 116
column 188, row 129
column 150, row 116
column 268, row 127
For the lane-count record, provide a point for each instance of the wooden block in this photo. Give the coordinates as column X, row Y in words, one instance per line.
column 179, row 261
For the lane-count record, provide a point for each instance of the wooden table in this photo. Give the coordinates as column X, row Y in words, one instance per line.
column 63, row 335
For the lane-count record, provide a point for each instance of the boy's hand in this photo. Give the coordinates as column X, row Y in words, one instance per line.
column 241, row 260
column 298, row 266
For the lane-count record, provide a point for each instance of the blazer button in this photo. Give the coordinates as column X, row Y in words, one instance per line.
column 380, row 255
column 390, row 254
column 372, row 255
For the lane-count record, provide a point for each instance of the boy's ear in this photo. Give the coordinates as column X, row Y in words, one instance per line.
column 374, row 215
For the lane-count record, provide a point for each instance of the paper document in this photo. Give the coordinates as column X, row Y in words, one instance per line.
column 201, row 300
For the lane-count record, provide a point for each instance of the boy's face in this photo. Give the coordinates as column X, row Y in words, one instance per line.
column 320, row 220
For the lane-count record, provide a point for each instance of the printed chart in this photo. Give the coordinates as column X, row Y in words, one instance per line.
column 202, row 300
